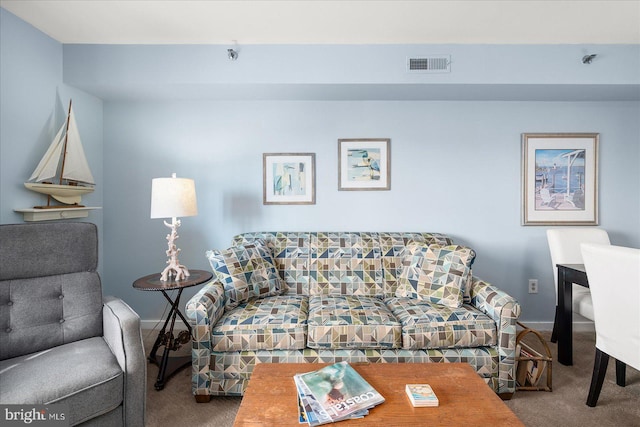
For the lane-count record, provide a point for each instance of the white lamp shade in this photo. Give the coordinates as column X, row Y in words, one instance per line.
column 173, row 197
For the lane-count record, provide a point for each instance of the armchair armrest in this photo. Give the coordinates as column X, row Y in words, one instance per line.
column 505, row 311
column 203, row 311
column 121, row 330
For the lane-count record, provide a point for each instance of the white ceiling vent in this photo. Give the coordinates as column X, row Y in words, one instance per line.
column 429, row 64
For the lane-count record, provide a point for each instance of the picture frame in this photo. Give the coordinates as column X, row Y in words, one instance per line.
column 560, row 178
column 364, row 164
column 289, row 178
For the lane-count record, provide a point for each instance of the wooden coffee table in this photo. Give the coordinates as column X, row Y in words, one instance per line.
column 465, row 399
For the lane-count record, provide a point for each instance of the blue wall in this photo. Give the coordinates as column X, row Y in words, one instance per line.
column 455, row 142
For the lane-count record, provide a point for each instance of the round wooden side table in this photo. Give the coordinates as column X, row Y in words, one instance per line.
column 168, row 366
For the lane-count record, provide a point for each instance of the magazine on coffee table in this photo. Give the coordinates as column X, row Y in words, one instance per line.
column 309, row 410
column 338, row 390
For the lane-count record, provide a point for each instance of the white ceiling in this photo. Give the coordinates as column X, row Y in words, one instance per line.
column 333, row 22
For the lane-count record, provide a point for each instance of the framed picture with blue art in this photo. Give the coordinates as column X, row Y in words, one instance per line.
column 289, row 178
column 560, row 178
column 364, row 164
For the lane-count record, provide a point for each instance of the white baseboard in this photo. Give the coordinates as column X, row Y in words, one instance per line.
column 578, row 326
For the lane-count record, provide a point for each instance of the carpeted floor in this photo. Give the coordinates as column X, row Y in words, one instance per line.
column 565, row 406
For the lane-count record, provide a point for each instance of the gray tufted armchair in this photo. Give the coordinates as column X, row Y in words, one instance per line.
column 61, row 342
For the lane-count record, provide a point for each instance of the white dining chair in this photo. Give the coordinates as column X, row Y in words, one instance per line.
column 614, row 279
column 564, row 246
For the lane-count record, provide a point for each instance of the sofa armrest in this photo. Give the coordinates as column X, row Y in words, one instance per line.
column 121, row 331
column 505, row 311
column 203, row 311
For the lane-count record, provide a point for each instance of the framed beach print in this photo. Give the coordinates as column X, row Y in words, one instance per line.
column 560, row 178
column 289, row 178
column 364, row 164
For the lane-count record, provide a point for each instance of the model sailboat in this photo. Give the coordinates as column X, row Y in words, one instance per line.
column 66, row 163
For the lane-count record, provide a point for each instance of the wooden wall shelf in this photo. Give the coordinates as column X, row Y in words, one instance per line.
column 33, row 214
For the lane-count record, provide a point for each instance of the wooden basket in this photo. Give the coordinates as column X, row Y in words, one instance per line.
column 531, row 365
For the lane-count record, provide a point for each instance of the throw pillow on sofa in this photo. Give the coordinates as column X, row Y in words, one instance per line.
column 247, row 272
column 435, row 273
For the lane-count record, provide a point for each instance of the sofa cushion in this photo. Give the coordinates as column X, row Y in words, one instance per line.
column 247, row 272
column 273, row 323
column 76, row 380
column 436, row 273
column 339, row 263
column 345, row 264
column 291, row 254
column 342, row 321
column 426, row 325
column 393, row 245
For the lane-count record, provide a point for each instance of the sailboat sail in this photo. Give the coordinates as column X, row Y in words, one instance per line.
column 48, row 166
column 76, row 167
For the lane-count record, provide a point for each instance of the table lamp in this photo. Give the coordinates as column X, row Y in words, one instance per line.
column 172, row 198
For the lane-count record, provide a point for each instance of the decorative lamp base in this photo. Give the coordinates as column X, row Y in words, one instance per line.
column 180, row 272
column 174, row 268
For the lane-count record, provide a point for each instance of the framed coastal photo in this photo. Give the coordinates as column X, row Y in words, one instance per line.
column 289, row 178
column 364, row 164
column 560, row 178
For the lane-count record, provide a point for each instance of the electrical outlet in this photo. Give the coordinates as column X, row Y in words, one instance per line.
column 533, row 286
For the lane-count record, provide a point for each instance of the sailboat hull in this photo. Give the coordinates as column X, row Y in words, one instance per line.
column 67, row 194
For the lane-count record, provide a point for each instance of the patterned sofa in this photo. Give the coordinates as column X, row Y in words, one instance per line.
column 296, row 297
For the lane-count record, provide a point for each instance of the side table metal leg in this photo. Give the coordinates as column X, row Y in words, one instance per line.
column 175, row 306
column 159, row 385
column 159, row 340
column 169, row 342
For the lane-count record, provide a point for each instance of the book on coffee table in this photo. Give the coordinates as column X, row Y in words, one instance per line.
column 336, row 391
column 421, row 395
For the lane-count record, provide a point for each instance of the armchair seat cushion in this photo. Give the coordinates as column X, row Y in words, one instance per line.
column 83, row 374
column 431, row 326
column 349, row 321
column 272, row 323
